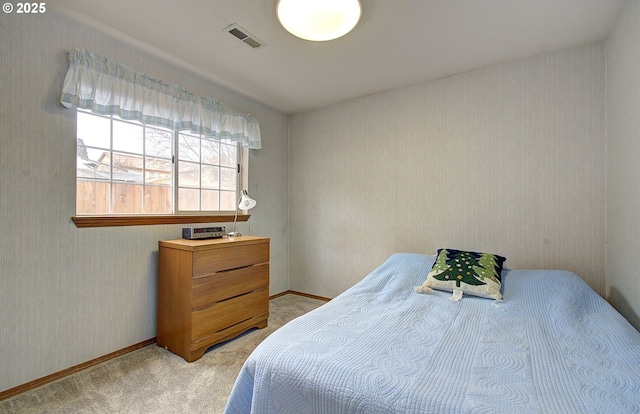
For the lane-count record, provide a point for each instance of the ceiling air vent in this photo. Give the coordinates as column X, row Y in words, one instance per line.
column 245, row 36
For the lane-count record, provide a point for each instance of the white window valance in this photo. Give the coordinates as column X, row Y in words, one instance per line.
column 104, row 86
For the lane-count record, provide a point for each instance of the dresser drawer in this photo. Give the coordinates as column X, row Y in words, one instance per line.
column 206, row 263
column 221, row 315
column 227, row 284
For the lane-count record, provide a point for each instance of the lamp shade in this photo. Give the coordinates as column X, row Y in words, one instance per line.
column 246, row 202
column 318, row 20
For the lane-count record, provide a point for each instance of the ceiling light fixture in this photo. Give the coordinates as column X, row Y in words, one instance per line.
column 318, row 20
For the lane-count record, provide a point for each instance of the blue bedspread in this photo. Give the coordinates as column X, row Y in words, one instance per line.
column 552, row 346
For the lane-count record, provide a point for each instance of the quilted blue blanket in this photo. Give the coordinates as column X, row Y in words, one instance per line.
column 552, row 346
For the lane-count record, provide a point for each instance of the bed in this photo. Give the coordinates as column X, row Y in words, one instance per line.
column 551, row 345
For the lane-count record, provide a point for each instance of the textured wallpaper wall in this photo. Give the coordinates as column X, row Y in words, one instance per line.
column 509, row 159
column 623, row 165
column 69, row 295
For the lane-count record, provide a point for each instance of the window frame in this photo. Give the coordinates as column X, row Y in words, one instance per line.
column 177, row 217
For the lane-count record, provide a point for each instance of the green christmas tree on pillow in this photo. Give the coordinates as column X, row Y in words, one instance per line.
column 474, row 273
column 460, row 266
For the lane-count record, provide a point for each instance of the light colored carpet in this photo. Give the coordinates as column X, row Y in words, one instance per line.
column 153, row 380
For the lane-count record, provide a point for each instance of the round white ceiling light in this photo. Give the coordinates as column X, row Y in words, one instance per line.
column 319, row 20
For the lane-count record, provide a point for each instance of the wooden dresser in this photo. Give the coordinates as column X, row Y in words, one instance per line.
column 210, row 291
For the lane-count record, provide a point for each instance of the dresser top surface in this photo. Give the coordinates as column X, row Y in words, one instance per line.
column 206, row 244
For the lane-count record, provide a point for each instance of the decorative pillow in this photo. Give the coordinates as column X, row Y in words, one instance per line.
column 473, row 273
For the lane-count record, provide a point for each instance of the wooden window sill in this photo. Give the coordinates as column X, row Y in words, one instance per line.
column 115, row 221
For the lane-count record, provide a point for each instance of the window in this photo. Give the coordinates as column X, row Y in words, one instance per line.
column 207, row 174
column 128, row 168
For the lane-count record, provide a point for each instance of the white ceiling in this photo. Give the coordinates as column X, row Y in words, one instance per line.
column 397, row 43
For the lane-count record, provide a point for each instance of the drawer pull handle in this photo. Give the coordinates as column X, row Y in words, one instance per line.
column 201, row 308
column 235, row 268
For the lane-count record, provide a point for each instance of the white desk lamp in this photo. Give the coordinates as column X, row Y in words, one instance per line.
column 245, row 203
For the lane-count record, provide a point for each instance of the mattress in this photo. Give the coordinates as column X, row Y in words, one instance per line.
column 551, row 346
